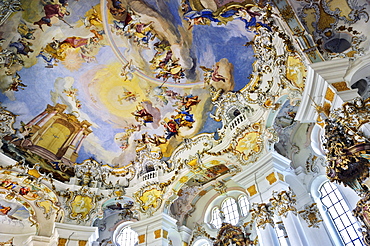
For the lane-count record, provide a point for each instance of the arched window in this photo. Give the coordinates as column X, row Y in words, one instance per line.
column 243, row 205
column 202, row 242
column 233, row 207
column 127, row 237
column 281, row 234
column 345, row 223
column 230, row 210
column 216, row 220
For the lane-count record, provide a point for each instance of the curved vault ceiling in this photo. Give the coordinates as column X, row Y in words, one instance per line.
column 128, row 74
column 105, row 64
column 138, row 72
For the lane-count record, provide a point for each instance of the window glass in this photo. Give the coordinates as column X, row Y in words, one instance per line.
column 216, row 220
column 344, row 221
column 230, row 210
column 281, row 233
column 127, row 237
column 244, row 205
column 202, row 242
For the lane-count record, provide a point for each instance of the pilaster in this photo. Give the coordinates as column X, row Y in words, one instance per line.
column 76, row 235
column 284, row 205
column 155, row 230
column 41, row 241
column 334, row 73
column 185, row 233
column 264, row 176
column 263, row 217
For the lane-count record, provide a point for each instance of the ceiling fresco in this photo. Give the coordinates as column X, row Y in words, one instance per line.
column 119, row 110
column 136, row 71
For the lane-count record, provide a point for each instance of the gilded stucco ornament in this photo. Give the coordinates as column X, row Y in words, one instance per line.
column 199, row 232
column 273, row 50
column 362, row 213
column 47, row 206
column 146, row 160
column 7, row 120
column 190, row 149
column 331, row 26
column 283, row 202
column 296, row 72
column 7, row 243
column 347, row 148
column 149, row 198
column 262, row 214
column 264, row 50
column 220, row 187
column 7, row 8
column 314, row 163
column 250, row 143
column 91, row 173
column 233, row 235
column 35, row 173
column 80, row 204
column 311, row 215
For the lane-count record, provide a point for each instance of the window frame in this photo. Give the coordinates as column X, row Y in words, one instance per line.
column 118, row 232
column 240, row 207
column 219, row 202
column 339, row 205
column 232, row 210
column 215, row 214
column 201, row 241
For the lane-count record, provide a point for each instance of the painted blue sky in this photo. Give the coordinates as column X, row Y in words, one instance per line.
column 209, row 45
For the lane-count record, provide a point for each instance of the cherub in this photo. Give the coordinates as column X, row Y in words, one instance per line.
column 17, row 83
column 142, row 115
column 93, row 19
column 127, row 71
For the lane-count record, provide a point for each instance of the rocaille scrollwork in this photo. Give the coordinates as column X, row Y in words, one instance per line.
column 233, row 235
column 311, row 215
column 347, row 149
column 262, row 214
column 362, row 212
column 283, row 202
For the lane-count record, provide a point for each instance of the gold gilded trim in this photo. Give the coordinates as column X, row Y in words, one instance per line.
column 157, row 233
column 271, row 178
column 141, row 238
column 281, row 176
column 329, row 95
column 340, row 86
column 252, row 190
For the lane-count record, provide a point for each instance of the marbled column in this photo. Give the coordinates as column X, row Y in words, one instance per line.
column 46, row 118
column 36, row 119
column 80, row 143
column 77, row 137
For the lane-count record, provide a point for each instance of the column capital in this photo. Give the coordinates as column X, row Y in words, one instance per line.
column 283, row 202
column 185, row 233
column 335, row 73
column 262, row 214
